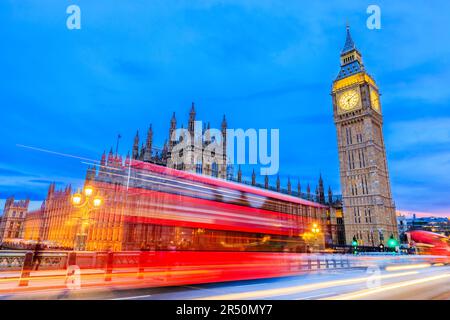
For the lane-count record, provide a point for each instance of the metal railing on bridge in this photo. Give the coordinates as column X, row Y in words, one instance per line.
column 110, row 264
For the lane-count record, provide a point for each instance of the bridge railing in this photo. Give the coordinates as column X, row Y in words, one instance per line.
column 110, row 264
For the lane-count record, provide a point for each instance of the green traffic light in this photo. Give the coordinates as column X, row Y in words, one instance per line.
column 392, row 242
column 354, row 241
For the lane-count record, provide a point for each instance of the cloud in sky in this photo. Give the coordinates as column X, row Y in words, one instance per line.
column 403, row 135
column 264, row 63
column 409, row 214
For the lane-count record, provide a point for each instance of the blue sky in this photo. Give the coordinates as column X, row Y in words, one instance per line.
column 265, row 64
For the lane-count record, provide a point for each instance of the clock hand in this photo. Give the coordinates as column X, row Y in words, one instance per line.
column 351, row 98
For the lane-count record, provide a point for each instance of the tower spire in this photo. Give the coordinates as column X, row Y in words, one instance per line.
column 111, row 162
column 135, row 152
column 191, row 119
column 349, row 43
column 172, row 132
column 224, row 122
column 351, row 59
column 173, row 120
column 117, row 143
column 148, row 145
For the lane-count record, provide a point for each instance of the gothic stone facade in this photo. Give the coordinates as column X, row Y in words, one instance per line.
column 369, row 211
column 197, row 156
column 14, row 214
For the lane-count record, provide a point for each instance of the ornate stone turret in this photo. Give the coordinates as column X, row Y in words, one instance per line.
column 351, row 60
column 289, row 186
column 141, row 153
column 165, row 150
column 239, row 175
column 253, row 178
column 127, row 160
column 148, row 145
column 224, row 123
column 266, row 182
column 14, row 214
column 21, row 204
column 278, row 183
column 197, row 157
column 135, row 152
column 330, row 195
column 207, row 138
column 51, row 189
column 224, row 139
column 102, row 168
column 111, row 158
column 191, row 124
column 320, row 191
column 90, row 174
column 173, row 127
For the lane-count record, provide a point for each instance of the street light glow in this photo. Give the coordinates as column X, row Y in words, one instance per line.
column 97, row 202
column 315, row 229
column 88, row 191
column 76, row 199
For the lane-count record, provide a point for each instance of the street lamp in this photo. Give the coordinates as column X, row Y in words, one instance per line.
column 88, row 191
column 86, row 203
column 76, row 199
column 97, row 202
column 315, row 230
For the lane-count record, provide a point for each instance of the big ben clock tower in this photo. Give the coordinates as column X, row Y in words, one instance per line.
column 369, row 211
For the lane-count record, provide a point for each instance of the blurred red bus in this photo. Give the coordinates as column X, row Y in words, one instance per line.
column 429, row 243
column 167, row 209
column 202, row 228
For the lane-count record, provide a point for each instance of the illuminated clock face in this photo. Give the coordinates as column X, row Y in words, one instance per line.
column 374, row 100
column 349, row 100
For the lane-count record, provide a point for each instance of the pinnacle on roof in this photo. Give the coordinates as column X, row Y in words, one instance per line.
column 349, row 44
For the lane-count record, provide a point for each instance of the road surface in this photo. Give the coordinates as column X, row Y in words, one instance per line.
column 408, row 282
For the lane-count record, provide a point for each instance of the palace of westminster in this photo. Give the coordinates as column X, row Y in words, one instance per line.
column 364, row 212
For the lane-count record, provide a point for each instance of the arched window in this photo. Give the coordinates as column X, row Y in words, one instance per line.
column 215, row 170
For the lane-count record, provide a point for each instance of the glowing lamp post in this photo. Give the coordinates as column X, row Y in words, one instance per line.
column 86, row 203
column 315, row 230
